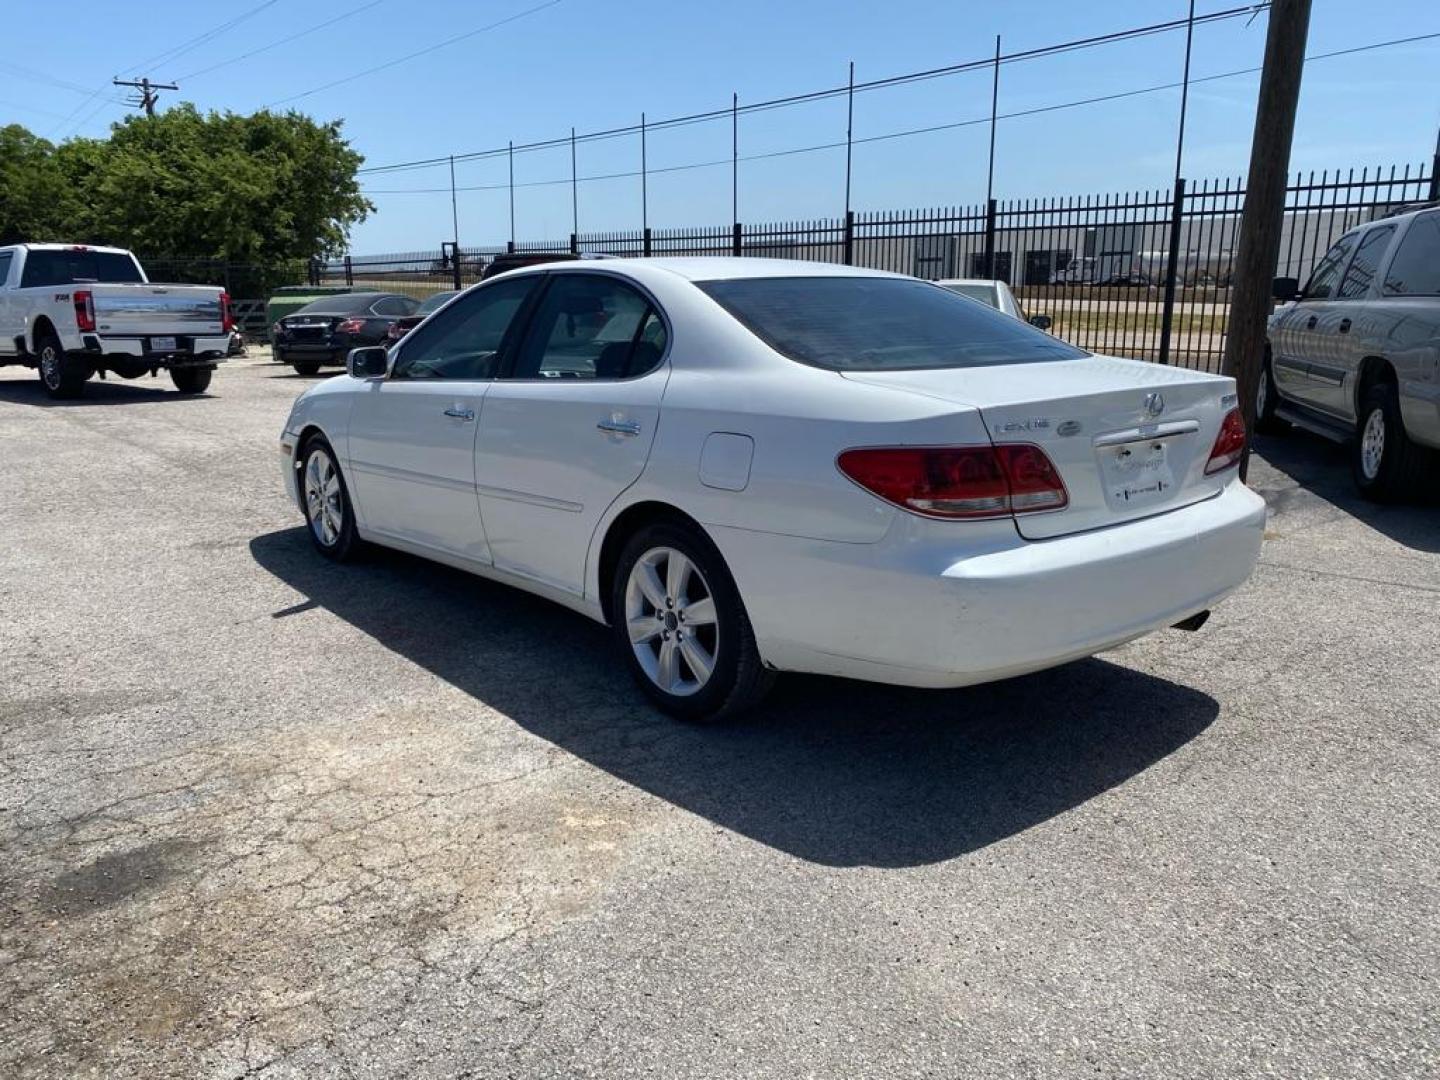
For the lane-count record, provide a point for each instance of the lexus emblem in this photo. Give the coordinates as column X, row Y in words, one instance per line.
column 1154, row 404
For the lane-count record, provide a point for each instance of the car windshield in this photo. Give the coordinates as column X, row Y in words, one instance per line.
column 434, row 302
column 345, row 304
column 984, row 293
column 880, row 324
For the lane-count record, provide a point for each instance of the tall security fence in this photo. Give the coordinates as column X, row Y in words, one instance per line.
column 1143, row 274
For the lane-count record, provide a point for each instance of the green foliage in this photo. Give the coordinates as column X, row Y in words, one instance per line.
column 266, row 189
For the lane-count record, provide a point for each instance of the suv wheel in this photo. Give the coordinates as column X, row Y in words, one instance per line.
column 1387, row 465
column 62, row 375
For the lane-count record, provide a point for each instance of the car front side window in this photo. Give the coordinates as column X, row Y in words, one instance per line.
column 1322, row 282
column 466, row 339
column 1366, row 262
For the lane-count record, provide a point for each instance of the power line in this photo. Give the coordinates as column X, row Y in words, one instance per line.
column 419, row 52
column 172, row 54
column 283, row 41
column 839, row 91
column 908, row 132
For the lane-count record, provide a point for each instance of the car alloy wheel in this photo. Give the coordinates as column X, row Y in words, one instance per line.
column 1372, row 444
column 324, row 501
column 1262, row 391
column 672, row 621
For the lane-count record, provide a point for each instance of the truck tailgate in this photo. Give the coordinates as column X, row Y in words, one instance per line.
column 168, row 310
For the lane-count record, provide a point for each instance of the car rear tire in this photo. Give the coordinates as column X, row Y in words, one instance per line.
column 62, row 375
column 1266, row 399
column 306, row 367
column 682, row 628
column 191, row 380
column 1386, row 464
column 325, row 499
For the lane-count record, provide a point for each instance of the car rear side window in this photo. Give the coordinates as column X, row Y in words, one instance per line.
column 1415, row 269
column 1366, row 262
column 590, row 326
column 5, row 260
column 879, row 324
column 79, row 267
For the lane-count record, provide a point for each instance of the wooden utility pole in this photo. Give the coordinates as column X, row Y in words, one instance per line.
column 1258, row 251
column 147, row 97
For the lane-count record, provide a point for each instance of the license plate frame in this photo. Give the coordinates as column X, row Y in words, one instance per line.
column 1137, row 474
column 163, row 344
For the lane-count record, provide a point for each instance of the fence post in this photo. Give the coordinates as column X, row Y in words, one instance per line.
column 990, row 239
column 646, row 242
column 455, row 269
column 1172, row 270
column 849, row 237
column 574, row 243
column 510, row 246
column 735, row 238
column 349, row 272
column 1435, row 172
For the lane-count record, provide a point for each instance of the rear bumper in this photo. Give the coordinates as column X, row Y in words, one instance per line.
column 189, row 349
column 912, row 610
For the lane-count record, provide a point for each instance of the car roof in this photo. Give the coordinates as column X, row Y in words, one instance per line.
column 715, row 268
column 72, row 247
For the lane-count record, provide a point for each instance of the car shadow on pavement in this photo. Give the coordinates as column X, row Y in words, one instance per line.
column 831, row 771
column 97, row 392
column 1321, row 468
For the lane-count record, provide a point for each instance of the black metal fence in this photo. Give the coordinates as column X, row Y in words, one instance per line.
column 1097, row 265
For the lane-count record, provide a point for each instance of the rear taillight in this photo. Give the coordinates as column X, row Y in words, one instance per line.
column 84, row 309
column 1229, row 444
column 227, row 317
column 350, row 326
column 960, row 481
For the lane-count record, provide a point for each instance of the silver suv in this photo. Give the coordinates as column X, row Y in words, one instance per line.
column 1355, row 356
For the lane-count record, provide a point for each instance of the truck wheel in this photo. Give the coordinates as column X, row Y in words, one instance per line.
column 1266, row 398
column 306, row 367
column 62, row 375
column 1387, row 465
column 193, row 380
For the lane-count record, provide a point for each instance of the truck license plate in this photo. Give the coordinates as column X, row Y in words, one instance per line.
column 162, row 344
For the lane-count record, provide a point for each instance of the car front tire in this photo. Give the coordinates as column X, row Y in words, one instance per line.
column 325, row 499
column 681, row 626
column 1386, row 464
column 1266, row 400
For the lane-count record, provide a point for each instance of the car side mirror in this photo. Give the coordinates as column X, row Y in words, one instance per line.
column 1041, row 322
column 1286, row 288
column 370, row 362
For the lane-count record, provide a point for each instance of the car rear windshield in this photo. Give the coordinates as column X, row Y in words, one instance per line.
column 344, row 304
column 79, row 267
column 880, row 324
column 984, row 293
column 433, row 303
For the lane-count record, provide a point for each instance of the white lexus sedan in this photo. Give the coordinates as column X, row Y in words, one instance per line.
column 747, row 466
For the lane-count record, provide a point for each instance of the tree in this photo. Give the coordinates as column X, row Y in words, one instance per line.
column 34, row 199
column 268, row 189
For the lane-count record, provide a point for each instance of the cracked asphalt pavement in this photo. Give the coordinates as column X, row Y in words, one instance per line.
column 265, row 816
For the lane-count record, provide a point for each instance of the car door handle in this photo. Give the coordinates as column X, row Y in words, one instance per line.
column 1310, row 323
column 460, row 414
column 619, row 427
column 1344, row 326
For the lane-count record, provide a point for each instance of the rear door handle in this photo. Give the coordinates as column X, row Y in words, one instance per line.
column 460, row 414
column 619, row 427
column 1344, row 326
column 1310, row 323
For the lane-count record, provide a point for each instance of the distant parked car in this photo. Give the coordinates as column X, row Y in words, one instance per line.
column 515, row 260
column 403, row 325
column 1356, row 357
column 325, row 330
column 995, row 293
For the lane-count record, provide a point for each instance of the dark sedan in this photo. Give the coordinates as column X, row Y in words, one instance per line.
column 402, row 326
column 324, row 331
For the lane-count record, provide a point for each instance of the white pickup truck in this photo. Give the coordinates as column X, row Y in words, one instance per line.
column 73, row 311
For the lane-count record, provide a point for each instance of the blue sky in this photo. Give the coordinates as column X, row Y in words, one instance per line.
column 597, row 64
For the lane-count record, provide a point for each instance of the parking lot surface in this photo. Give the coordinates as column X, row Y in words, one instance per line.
column 265, row 816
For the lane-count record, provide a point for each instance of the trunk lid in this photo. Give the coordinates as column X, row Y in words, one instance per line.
column 145, row 309
column 317, row 327
column 1129, row 438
